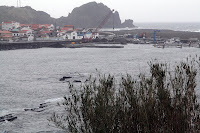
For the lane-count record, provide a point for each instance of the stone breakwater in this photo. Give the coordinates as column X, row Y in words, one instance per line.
column 53, row 44
column 31, row 45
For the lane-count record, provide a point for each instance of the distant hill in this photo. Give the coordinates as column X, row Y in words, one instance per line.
column 25, row 15
column 91, row 15
column 88, row 15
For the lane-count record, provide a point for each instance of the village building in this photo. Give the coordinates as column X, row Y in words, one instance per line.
column 80, row 34
column 26, row 28
column 35, row 26
column 62, row 35
column 29, row 32
column 22, row 35
column 49, row 27
column 90, row 34
column 27, row 38
column 10, row 25
column 15, row 33
column 46, row 35
column 5, row 35
column 67, row 28
column 71, row 35
column 25, row 25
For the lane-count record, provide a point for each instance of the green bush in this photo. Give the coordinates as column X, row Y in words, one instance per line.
column 165, row 101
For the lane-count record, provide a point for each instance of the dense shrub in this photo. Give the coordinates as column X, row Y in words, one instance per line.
column 165, row 101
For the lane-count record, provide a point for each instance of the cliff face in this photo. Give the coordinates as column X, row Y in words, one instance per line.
column 89, row 15
column 25, row 15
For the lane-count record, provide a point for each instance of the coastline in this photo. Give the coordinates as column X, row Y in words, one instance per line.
column 164, row 34
column 167, row 34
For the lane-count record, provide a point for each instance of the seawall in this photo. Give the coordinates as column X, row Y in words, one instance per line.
column 32, row 45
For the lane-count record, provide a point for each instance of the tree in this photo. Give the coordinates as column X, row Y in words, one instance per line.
column 164, row 101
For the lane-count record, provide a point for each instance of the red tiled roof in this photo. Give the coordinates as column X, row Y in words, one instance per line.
column 7, row 22
column 5, row 32
column 35, row 26
column 25, row 25
column 66, row 29
column 6, row 36
column 45, row 32
column 45, row 25
column 68, row 26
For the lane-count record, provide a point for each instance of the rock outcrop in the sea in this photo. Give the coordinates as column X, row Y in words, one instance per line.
column 128, row 23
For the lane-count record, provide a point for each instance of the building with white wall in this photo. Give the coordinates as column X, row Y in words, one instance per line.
column 71, row 35
column 10, row 25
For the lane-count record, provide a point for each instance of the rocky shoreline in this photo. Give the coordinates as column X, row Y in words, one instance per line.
column 167, row 34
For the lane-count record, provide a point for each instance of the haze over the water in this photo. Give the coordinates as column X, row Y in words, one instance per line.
column 138, row 10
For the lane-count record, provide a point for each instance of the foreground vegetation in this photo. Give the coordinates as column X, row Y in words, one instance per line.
column 164, row 101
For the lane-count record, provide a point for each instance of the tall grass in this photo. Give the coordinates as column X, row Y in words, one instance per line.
column 164, row 102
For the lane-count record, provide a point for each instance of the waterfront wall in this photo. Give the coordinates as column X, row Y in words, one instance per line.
column 32, row 45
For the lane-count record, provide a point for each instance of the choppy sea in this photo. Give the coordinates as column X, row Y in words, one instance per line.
column 191, row 27
column 29, row 77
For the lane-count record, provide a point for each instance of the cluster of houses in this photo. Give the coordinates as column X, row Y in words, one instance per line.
column 14, row 31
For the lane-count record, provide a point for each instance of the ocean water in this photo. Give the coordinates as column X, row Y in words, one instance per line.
column 29, row 77
column 192, row 27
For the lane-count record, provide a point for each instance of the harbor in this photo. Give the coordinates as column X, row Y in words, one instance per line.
column 99, row 67
column 109, row 39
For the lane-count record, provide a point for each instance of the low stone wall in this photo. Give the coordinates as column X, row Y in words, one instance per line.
column 32, row 45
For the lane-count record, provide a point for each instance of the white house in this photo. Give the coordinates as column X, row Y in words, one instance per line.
column 10, row 25
column 25, row 35
column 62, row 35
column 71, row 35
column 15, row 34
column 90, row 35
column 26, row 28
column 30, row 37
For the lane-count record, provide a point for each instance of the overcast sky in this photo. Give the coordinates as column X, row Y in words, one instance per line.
column 138, row 10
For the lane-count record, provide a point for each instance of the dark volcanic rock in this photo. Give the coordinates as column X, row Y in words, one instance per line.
column 8, row 117
column 25, row 15
column 90, row 15
column 128, row 23
column 65, row 77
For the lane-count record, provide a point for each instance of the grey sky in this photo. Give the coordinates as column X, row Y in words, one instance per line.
column 138, row 10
